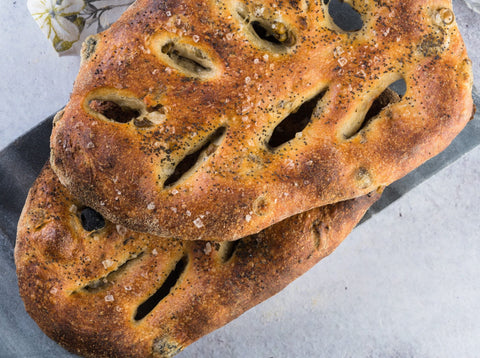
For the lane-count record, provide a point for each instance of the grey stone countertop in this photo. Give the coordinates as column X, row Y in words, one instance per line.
column 406, row 283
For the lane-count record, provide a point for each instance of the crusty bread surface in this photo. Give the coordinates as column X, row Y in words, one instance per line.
column 180, row 121
column 106, row 291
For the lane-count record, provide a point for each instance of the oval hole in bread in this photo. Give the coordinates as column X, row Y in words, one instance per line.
column 295, row 122
column 344, row 15
column 172, row 279
column 91, row 220
column 227, row 249
column 114, row 111
column 275, row 32
column 399, row 86
column 102, row 282
column 271, row 33
column 197, row 156
column 385, row 98
column 187, row 57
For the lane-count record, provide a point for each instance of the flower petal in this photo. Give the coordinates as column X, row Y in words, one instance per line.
column 65, row 30
column 44, row 21
column 69, row 7
column 38, row 6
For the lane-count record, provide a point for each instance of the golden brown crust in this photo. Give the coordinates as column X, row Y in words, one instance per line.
column 84, row 288
column 192, row 70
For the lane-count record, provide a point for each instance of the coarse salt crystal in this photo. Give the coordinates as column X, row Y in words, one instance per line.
column 342, row 61
column 107, row 263
column 168, row 13
column 151, row 206
column 265, row 57
column 337, row 51
column 196, row 38
column 247, row 80
column 248, row 218
column 229, row 36
column 53, row 290
column 73, row 208
column 154, row 252
column 174, row 209
column 198, row 222
column 188, row 213
column 174, row 191
column 127, row 288
column 122, row 230
column 90, row 145
column 290, row 164
column 208, row 248
column 256, row 61
column 259, row 11
column 109, row 298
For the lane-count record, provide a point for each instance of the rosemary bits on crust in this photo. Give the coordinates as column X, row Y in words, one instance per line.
column 213, row 120
column 101, row 290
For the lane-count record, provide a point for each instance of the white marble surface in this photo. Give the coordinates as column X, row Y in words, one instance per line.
column 404, row 284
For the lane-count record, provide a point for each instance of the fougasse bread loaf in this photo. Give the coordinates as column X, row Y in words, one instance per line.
column 101, row 290
column 213, row 120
